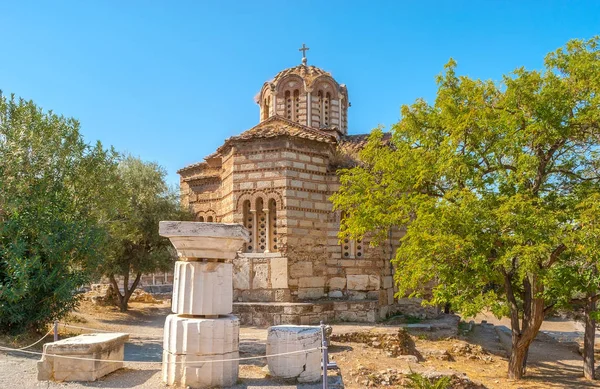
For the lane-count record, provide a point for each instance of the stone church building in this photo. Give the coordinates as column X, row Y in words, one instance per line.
column 276, row 179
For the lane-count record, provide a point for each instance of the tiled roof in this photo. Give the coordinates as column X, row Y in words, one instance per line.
column 278, row 126
column 272, row 127
column 349, row 147
column 354, row 143
column 304, row 71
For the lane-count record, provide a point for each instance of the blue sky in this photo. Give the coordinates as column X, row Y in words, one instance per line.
column 170, row 80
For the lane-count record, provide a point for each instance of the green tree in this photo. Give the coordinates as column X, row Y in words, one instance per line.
column 135, row 246
column 575, row 282
column 488, row 182
column 55, row 193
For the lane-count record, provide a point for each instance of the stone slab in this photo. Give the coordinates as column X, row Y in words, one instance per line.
column 306, row 367
column 194, row 240
column 104, row 348
column 202, row 288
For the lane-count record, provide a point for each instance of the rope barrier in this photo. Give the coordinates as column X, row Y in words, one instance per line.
column 38, row 341
column 99, row 330
column 154, row 362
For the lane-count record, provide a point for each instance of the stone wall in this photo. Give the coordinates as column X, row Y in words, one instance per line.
column 309, row 263
column 264, row 314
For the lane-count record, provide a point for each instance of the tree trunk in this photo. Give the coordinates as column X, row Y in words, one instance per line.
column 516, row 363
column 533, row 316
column 128, row 292
column 589, row 339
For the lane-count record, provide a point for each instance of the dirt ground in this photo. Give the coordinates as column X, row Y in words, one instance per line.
column 480, row 353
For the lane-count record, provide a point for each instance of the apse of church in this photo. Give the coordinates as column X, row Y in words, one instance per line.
column 276, row 179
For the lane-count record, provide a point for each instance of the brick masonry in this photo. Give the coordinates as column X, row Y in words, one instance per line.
column 276, row 179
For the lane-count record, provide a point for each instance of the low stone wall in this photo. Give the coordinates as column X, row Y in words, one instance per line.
column 269, row 313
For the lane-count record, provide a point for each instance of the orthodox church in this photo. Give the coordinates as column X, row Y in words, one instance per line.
column 276, row 179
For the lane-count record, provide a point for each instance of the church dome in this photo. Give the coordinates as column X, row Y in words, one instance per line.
column 307, row 95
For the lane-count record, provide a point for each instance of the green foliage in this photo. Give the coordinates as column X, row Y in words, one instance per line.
column 418, row 381
column 491, row 182
column 55, row 197
column 135, row 246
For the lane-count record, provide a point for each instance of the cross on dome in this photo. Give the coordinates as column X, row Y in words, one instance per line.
column 304, row 49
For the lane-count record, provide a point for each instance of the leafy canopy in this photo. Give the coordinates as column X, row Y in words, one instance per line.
column 55, row 200
column 489, row 181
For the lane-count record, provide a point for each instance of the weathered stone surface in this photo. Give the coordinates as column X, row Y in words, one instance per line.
column 189, row 335
column 363, row 282
column 261, row 276
column 189, row 370
column 241, row 273
column 202, row 288
column 301, row 269
column 311, row 282
column 105, row 346
column 279, row 273
column 205, row 240
column 306, row 367
column 337, row 283
column 310, row 293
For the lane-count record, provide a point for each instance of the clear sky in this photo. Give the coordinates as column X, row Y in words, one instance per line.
column 170, row 80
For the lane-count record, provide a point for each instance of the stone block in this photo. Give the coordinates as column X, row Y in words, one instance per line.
column 306, row 367
column 337, row 283
column 205, row 240
column 241, row 273
column 260, row 279
column 196, row 371
column 301, row 269
column 388, row 282
column 202, row 288
column 105, row 347
column 311, row 282
column 199, row 336
column 363, row 282
column 310, row 293
column 279, row 273
column 336, row 294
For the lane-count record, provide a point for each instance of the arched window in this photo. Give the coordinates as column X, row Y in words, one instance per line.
column 201, row 219
column 273, row 244
column 296, row 105
column 288, row 105
column 248, row 222
column 266, row 106
column 326, row 109
column 320, row 108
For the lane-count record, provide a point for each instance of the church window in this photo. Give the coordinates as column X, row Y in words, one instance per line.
column 261, row 224
column 288, row 105
column 210, row 218
column 266, row 107
column 326, row 108
column 260, row 219
column 320, row 108
column 274, row 244
column 352, row 248
column 248, row 223
column 296, row 105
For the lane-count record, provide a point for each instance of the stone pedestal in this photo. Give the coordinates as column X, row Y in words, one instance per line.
column 105, row 347
column 202, row 328
column 306, row 367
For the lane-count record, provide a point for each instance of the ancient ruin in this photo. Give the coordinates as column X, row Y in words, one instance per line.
column 201, row 327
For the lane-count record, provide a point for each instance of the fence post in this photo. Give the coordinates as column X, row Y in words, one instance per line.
column 55, row 330
column 325, row 356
